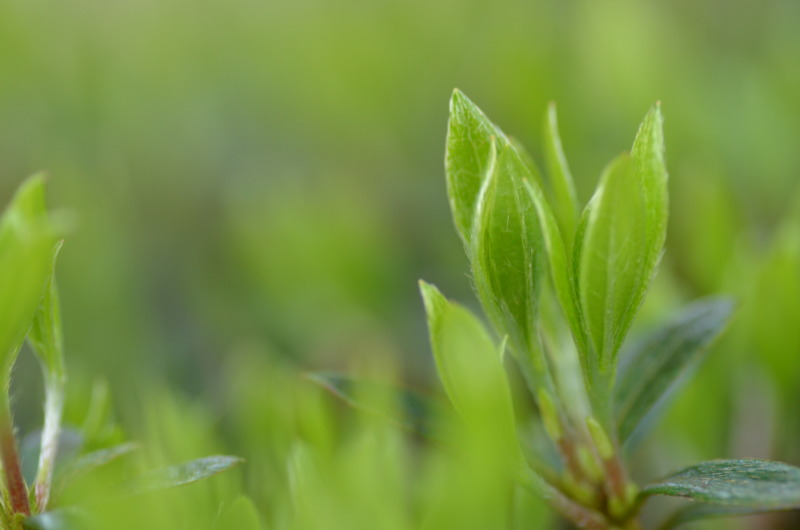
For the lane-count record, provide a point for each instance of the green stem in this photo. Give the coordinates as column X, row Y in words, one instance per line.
column 17, row 490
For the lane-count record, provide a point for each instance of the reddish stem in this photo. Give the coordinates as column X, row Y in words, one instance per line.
column 17, row 490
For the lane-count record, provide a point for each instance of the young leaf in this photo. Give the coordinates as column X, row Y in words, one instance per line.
column 27, row 240
column 469, row 134
column 560, row 272
column 746, row 483
column 469, row 365
column 507, row 249
column 656, row 364
column 182, row 474
column 622, row 239
column 45, row 333
column 565, row 199
column 415, row 412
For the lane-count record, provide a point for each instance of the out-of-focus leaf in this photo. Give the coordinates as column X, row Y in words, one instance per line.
column 70, row 442
column 507, row 249
column 59, row 519
column 469, row 134
column 564, row 197
column 469, row 366
column 657, row 363
column 415, row 412
column 746, row 483
column 182, row 474
column 621, row 237
column 241, row 514
column 27, row 243
column 86, row 463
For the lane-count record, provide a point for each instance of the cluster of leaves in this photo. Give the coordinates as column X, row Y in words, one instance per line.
column 29, row 308
column 561, row 289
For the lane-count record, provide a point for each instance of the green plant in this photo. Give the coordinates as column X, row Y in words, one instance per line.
column 29, row 307
column 561, row 289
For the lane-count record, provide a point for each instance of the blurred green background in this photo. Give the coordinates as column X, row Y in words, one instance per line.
column 260, row 183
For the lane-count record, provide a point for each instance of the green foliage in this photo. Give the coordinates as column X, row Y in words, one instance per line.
column 657, row 363
column 746, row 483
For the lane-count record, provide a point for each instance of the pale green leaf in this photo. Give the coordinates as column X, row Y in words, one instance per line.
column 507, row 249
column 88, row 462
column 182, row 474
column 27, row 241
column 656, row 364
column 45, row 334
column 469, row 134
column 564, row 197
column 469, row 365
column 621, row 237
column 406, row 408
column 746, row 483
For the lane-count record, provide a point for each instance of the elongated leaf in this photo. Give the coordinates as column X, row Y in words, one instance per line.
column 45, row 334
column 622, row 240
column 469, row 365
column 469, row 134
column 560, row 271
column 564, row 197
column 746, row 483
column 182, row 474
column 656, row 364
column 507, row 249
column 415, row 411
column 27, row 241
column 84, row 464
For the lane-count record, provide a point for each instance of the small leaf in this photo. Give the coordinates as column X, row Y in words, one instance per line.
column 657, row 363
column 84, row 464
column 45, row 333
column 565, row 199
column 180, row 475
column 507, row 249
column 469, row 134
column 415, row 412
column 621, row 238
column 746, row 483
column 241, row 514
column 469, row 365
column 27, row 241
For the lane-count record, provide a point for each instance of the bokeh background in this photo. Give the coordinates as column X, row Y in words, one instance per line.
column 259, row 184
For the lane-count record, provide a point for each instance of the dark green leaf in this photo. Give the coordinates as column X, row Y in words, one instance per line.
column 695, row 512
column 656, row 364
column 414, row 411
column 746, row 483
column 507, row 249
column 564, row 197
column 182, row 474
column 469, row 134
